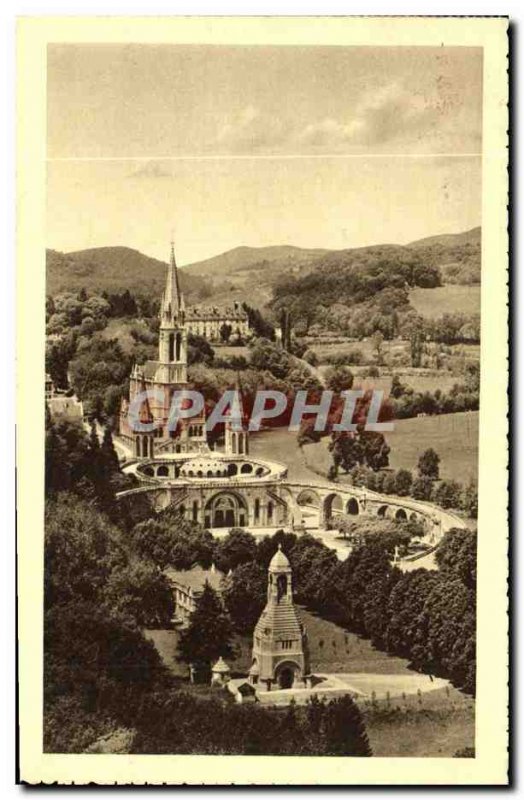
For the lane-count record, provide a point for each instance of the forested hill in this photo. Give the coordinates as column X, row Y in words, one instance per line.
column 112, row 269
column 234, row 274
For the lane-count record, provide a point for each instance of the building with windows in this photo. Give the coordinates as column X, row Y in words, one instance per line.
column 217, row 324
column 188, row 585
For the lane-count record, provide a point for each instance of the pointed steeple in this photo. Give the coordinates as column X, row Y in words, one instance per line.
column 173, row 302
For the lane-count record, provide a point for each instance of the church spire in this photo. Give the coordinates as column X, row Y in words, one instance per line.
column 173, row 302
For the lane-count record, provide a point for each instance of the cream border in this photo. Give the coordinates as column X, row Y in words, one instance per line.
column 490, row 764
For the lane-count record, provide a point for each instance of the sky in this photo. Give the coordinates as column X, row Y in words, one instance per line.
column 225, row 146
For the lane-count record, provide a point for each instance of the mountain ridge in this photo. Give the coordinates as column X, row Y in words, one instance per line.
column 228, row 276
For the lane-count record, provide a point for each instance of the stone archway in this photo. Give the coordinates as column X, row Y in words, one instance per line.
column 333, row 504
column 383, row 511
column 226, row 510
column 286, row 673
column 352, row 506
column 163, row 471
column 401, row 515
column 308, row 497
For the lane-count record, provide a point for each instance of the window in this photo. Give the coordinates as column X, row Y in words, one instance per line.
column 287, row 644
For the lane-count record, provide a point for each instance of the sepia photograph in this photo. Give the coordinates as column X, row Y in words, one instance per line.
column 264, row 266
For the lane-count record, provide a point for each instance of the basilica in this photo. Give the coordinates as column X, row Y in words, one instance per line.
column 173, row 465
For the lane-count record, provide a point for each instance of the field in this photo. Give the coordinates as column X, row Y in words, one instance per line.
column 453, row 436
column 422, row 382
column 443, row 724
column 449, row 299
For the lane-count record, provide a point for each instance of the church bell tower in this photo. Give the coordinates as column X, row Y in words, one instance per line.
column 172, row 346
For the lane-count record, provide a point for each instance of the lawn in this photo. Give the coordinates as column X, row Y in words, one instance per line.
column 437, row 724
column 453, row 436
column 449, row 299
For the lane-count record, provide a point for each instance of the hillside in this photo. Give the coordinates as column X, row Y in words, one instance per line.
column 250, row 273
column 112, row 269
column 457, row 255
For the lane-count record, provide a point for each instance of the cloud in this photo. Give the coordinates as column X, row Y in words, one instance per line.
column 251, row 129
column 390, row 114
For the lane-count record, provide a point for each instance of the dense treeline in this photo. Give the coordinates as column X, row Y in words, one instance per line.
column 403, row 613
column 425, row 616
column 101, row 675
column 368, row 291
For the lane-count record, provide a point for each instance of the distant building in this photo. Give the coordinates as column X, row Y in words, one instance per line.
column 188, row 585
column 280, row 646
column 70, row 408
column 49, row 387
column 209, row 322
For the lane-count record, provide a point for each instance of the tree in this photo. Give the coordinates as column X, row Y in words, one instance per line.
column 238, row 547
column 403, row 482
column 422, row 488
column 339, row 379
column 456, row 555
column 470, row 500
column 397, row 387
column 140, row 592
column 377, row 341
column 375, row 449
column 108, row 451
column 428, row 464
column 448, row 494
column 209, row 633
column 225, row 331
column 346, row 450
column 245, row 595
column 344, row 729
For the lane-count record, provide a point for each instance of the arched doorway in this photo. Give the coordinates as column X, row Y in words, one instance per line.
column 352, row 506
column 401, row 515
column 285, row 678
column 232, row 469
column 226, row 510
column 162, row 472
column 285, row 674
column 383, row 511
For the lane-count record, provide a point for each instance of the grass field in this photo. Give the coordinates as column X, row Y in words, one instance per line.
column 446, row 300
column 419, row 382
column 443, row 723
column 453, row 436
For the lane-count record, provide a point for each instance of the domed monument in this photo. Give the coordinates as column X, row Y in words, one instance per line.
column 280, row 647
